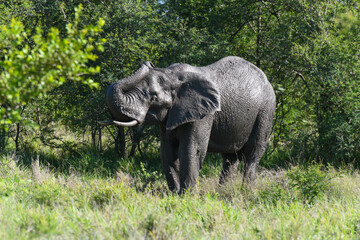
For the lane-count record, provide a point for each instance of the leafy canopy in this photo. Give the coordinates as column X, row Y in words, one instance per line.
column 32, row 65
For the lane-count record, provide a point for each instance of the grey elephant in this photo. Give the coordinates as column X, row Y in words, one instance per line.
column 226, row 107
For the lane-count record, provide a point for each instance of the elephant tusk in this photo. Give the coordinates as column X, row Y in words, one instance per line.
column 122, row 124
column 126, row 124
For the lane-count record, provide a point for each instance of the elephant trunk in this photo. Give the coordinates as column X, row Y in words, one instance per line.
column 131, row 81
column 125, row 101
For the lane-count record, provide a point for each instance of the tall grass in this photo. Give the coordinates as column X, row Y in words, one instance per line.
column 134, row 203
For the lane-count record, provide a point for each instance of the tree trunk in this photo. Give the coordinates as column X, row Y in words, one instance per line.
column 258, row 43
column 17, row 137
column 93, row 137
column 135, row 142
column 3, row 135
column 100, row 142
column 120, row 144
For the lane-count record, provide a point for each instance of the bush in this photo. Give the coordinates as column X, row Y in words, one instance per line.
column 310, row 182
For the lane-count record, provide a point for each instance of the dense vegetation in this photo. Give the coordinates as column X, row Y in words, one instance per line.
column 58, row 57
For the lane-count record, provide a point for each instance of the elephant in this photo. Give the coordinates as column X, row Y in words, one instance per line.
column 226, row 107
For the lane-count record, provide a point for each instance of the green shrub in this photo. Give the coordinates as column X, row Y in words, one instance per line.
column 310, row 182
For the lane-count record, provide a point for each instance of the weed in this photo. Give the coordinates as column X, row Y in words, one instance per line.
column 147, row 179
column 310, row 182
column 48, row 194
column 103, row 194
column 274, row 193
column 38, row 222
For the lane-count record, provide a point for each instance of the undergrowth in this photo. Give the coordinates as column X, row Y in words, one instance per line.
column 133, row 202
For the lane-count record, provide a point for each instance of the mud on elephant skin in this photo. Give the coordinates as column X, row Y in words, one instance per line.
column 226, row 107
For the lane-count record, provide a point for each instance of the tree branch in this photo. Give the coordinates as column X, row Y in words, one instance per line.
column 304, row 80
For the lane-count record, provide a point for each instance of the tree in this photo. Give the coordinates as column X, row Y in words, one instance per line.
column 32, row 65
column 332, row 64
column 31, row 71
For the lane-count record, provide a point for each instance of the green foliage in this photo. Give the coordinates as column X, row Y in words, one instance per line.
column 147, row 178
column 31, row 70
column 309, row 51
column 330, row 62
column 311, row 182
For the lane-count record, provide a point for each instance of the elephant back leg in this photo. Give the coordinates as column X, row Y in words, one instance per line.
column 255, row 147
column 230, row 165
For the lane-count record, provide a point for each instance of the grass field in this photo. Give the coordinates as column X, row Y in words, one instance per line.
column 313, row 202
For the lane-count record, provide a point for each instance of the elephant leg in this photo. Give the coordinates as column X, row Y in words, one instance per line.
column 254, row 149
column 230, row 165
column 170, row 161
column 193, row 138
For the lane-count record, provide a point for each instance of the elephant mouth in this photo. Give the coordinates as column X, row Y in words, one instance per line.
column 152, row 118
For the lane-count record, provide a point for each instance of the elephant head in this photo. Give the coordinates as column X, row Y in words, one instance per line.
column 172, row 96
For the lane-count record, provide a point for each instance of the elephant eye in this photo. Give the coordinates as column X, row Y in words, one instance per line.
column 153, row 98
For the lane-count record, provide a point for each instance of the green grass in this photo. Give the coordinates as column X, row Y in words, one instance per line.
column 135, row 204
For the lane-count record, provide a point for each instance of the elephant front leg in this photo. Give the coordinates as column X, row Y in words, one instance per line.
column 170, row 160
column 193, row 142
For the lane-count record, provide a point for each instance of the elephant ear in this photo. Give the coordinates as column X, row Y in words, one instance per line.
column 196, row 98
